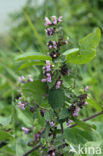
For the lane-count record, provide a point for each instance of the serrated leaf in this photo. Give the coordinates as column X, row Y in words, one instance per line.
column 48, row 115
column 58, row 140
column 63, row 113
column 34, row 89
column 56, row 98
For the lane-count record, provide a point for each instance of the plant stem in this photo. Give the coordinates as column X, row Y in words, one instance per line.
column 32, row 150
column 62, row 131
column 88, row 118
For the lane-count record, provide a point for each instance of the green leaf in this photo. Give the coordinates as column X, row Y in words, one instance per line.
column 71, row 51
column 86, row 51
column 29, row 64
column 83, row 125
column 48, row 115
column 58, row 140
column 82, row 56
column 33, row 56
column 56, row 98
column 80, row 136
column 34, row 89
column 63, row 113
column 24, row 118
column 5, row 120
column 91, row 40
column 5, row 136
column 94, row 104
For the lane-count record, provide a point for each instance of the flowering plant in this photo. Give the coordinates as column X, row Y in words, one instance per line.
column 53, row 98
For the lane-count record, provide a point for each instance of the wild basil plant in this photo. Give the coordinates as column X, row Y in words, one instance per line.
column 53, row 99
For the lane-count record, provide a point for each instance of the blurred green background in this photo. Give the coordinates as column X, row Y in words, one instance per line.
column 26, row 34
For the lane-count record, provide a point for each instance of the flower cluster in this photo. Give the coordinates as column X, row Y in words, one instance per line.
column 53, row 22
column 23, row 80
column 54, row 51
column 46, row 72
column 75, row 108
column 22, row 104
column 51, row 29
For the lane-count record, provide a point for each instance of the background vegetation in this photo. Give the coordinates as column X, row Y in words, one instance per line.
column 27, row 35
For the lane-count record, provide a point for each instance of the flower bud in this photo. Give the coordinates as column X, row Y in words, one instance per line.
column 47, row 21
column 60, row 19
column 26, row 130
column 86, row 88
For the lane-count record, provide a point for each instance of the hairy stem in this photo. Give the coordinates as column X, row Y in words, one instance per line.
column 32, row 150
column 88, row 118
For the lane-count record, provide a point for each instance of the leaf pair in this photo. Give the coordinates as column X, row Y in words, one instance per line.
column 36, row 58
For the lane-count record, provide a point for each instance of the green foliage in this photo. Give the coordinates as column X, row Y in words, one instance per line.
column 86, row 51
column 5, row 120
column 34, row 89
column 56, row 98
column 5, row 136
column 27, row 34
column 33, row 56
column 77, row 136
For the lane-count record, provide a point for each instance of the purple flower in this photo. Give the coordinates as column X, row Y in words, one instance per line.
column 68, row 72
column 49, row 79
column 21, row 105
column 86, row 103
column 58, row 84
column 66, row 41
column 49, row 31
column 47, row 21
column 26, row 130
column 30, row 79
column 69, row 122
column 44, row 80
column 47, row 65
column 48, row 75
column 47, row 62
column 54, row 44
column 37, row 136
column 21, row 79
column 60, row 19
column 76, row 112
column 86, row 88
column 52, row 124
column 54, row 20
column 53, row 153
column 48, row 68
